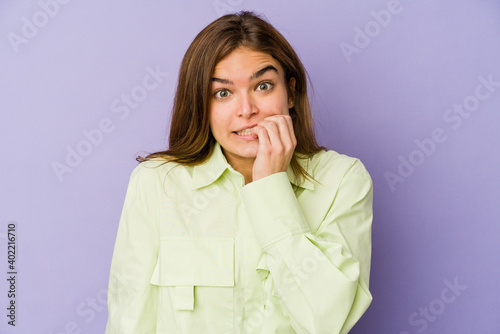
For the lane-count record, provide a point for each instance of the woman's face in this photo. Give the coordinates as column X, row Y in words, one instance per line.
column 247, row 87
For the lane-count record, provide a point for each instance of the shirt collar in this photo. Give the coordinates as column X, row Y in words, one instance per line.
column 212, row 169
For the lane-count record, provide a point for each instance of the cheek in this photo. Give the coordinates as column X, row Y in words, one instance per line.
column 213, row 123
column 218, row 120
column 276, row 106
column 280, row 102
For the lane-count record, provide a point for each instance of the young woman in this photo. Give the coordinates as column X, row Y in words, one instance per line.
column 245, row 224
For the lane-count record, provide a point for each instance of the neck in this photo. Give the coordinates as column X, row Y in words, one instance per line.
column 242, row 165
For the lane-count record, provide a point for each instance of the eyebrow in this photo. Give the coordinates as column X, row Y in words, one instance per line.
column 257, row 74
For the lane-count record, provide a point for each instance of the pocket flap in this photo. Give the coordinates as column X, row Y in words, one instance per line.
column 195, row 261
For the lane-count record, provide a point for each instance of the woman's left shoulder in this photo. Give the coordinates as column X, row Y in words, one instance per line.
column 331, row 164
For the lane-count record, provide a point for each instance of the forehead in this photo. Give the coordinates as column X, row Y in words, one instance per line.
column 244, row 62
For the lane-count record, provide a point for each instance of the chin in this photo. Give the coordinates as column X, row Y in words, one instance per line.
column 247, row 153
column 250, row 151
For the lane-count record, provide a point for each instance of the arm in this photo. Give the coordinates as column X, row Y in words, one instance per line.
column 321, row 277
column 132, row 300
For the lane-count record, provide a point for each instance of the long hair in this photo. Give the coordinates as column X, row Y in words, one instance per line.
column 191, row 141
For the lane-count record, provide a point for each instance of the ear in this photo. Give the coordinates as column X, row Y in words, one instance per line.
column 291, row 84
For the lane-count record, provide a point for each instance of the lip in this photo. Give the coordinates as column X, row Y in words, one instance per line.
column 244, row 137
column 247, row 127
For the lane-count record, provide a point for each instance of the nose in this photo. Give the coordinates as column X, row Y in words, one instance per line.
column 247, row 106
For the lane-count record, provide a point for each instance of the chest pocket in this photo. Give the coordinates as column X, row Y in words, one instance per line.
column 205, row 264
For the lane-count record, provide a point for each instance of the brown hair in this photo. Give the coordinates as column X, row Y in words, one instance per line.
column 191, row 141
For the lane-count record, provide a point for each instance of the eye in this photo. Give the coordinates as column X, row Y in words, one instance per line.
column 221, row 94
column 265, row 86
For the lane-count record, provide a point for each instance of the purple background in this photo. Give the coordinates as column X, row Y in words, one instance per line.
column 439, row 225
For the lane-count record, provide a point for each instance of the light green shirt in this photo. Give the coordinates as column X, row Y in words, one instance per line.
column 198, row 251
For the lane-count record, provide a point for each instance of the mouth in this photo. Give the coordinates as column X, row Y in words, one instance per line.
column 245, row 132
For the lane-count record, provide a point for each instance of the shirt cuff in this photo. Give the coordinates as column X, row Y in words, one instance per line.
column 273, row 209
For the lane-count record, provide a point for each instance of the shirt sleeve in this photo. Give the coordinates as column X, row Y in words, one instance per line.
column 320, row 277
column 132, row 300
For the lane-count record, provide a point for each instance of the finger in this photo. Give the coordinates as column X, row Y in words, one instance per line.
column 262, row 135
column 289, row 122
column 286, row 127
column 287, row 137
column 273, row 133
